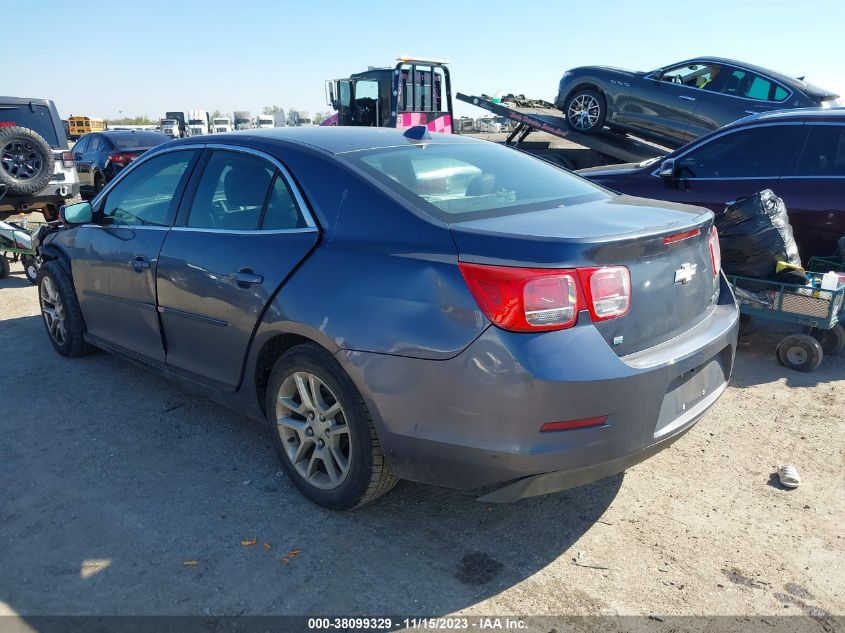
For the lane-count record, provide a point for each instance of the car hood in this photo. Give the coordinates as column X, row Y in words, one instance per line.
column 587, row 70
column 621, row 169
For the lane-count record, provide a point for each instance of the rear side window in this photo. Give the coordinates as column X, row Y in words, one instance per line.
column 37, row 119
column 282, row 211
column 824, row 152
column 130, row 140
column 461, row 181
column 146, row 195
column 231, row 192
column 759, row 152
column 742, row 83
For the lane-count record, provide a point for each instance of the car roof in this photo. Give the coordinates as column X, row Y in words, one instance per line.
column 332, row 139
column 792, row 82
column 796, row 115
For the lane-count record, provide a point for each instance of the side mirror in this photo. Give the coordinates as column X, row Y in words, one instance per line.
column 658, row 74
column 79, row 213
column 668, row 169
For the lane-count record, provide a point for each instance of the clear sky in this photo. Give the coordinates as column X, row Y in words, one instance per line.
column 143, row 58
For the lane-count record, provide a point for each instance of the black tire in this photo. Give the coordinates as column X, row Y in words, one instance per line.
column 832, row 340
column 73, row 342
column 800, row 352
column 26, row 161
column 99, row 183
column 369, row 475
column 4, row 266
column 744, row 324
column 30, row 268
column 586, row 124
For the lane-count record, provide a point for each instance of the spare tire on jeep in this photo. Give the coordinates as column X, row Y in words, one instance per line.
column 26, row 161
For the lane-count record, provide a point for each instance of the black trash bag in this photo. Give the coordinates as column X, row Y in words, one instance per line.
column 754, row 235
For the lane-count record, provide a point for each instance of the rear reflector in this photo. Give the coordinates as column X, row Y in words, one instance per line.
column 715, row 251
column 678, row 237
column 7, row 124
column 573, row 424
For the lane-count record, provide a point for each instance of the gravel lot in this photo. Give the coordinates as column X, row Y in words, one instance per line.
column 122, row 494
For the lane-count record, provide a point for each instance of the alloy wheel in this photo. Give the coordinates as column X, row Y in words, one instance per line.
column 21, row 160
column 583, row 112
column 312, row 425
column 53, row 310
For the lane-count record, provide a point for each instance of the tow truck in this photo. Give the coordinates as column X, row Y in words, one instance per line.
column 418, row 91
column 415, row 91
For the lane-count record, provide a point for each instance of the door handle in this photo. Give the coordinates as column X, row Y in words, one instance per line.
column 139, row 264
column 245, row 277
column 686, row 98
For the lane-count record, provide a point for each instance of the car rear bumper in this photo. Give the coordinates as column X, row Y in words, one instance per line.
column 473, row 422
column 55, row 193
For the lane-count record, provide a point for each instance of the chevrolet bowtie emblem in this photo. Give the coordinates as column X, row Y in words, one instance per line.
column 685, row 273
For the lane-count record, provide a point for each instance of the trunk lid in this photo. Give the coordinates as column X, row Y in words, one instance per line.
column 617, row 231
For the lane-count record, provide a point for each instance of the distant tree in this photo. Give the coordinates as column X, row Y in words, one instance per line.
column 319, row 117
column 217, row 115
column 271, row 110
column 136, row 120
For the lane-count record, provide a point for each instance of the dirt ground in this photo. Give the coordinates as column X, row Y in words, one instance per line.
column 122, row 494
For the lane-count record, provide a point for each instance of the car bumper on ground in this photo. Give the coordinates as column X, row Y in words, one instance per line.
column 473, row 422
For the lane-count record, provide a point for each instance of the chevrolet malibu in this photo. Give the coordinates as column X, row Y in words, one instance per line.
column 402, row 305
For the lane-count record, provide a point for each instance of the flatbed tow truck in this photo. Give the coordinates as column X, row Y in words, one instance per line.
column 532, row 115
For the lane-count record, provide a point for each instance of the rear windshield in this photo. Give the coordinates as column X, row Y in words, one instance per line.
column 455, row 182
column 40, row 121
column 138, row 139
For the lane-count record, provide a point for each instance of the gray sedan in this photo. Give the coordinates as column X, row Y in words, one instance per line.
column 402, row 305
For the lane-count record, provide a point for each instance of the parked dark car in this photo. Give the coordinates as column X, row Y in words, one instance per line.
column 100, row 156
column 798, row 154
column 435, row 308
column 681, row 102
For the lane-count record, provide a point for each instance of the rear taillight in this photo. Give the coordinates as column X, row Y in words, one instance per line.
column 122, row 158
column 541, row 299
column 607, row 290
column 67, row 160
column 715, row 252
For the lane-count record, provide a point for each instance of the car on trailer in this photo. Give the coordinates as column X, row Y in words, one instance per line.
column 402, row 305
column 681, row 102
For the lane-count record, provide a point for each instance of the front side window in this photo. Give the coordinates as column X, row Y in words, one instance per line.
column 455, row 182
column 759, row 152
column 693, row 75
column 81, row 146
column 231, row 192
column 824, row 152
column 96, row 144
column 146, row 195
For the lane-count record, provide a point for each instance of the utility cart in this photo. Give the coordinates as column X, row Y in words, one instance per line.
column 818, row 311
column 16, row 245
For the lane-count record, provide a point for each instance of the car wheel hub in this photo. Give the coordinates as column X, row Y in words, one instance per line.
column 796, row 355
column 53, row 311
column 583, row 112
column 314, row 432
column 20, row 160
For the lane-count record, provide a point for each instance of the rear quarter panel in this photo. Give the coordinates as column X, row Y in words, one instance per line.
column 382, row 279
